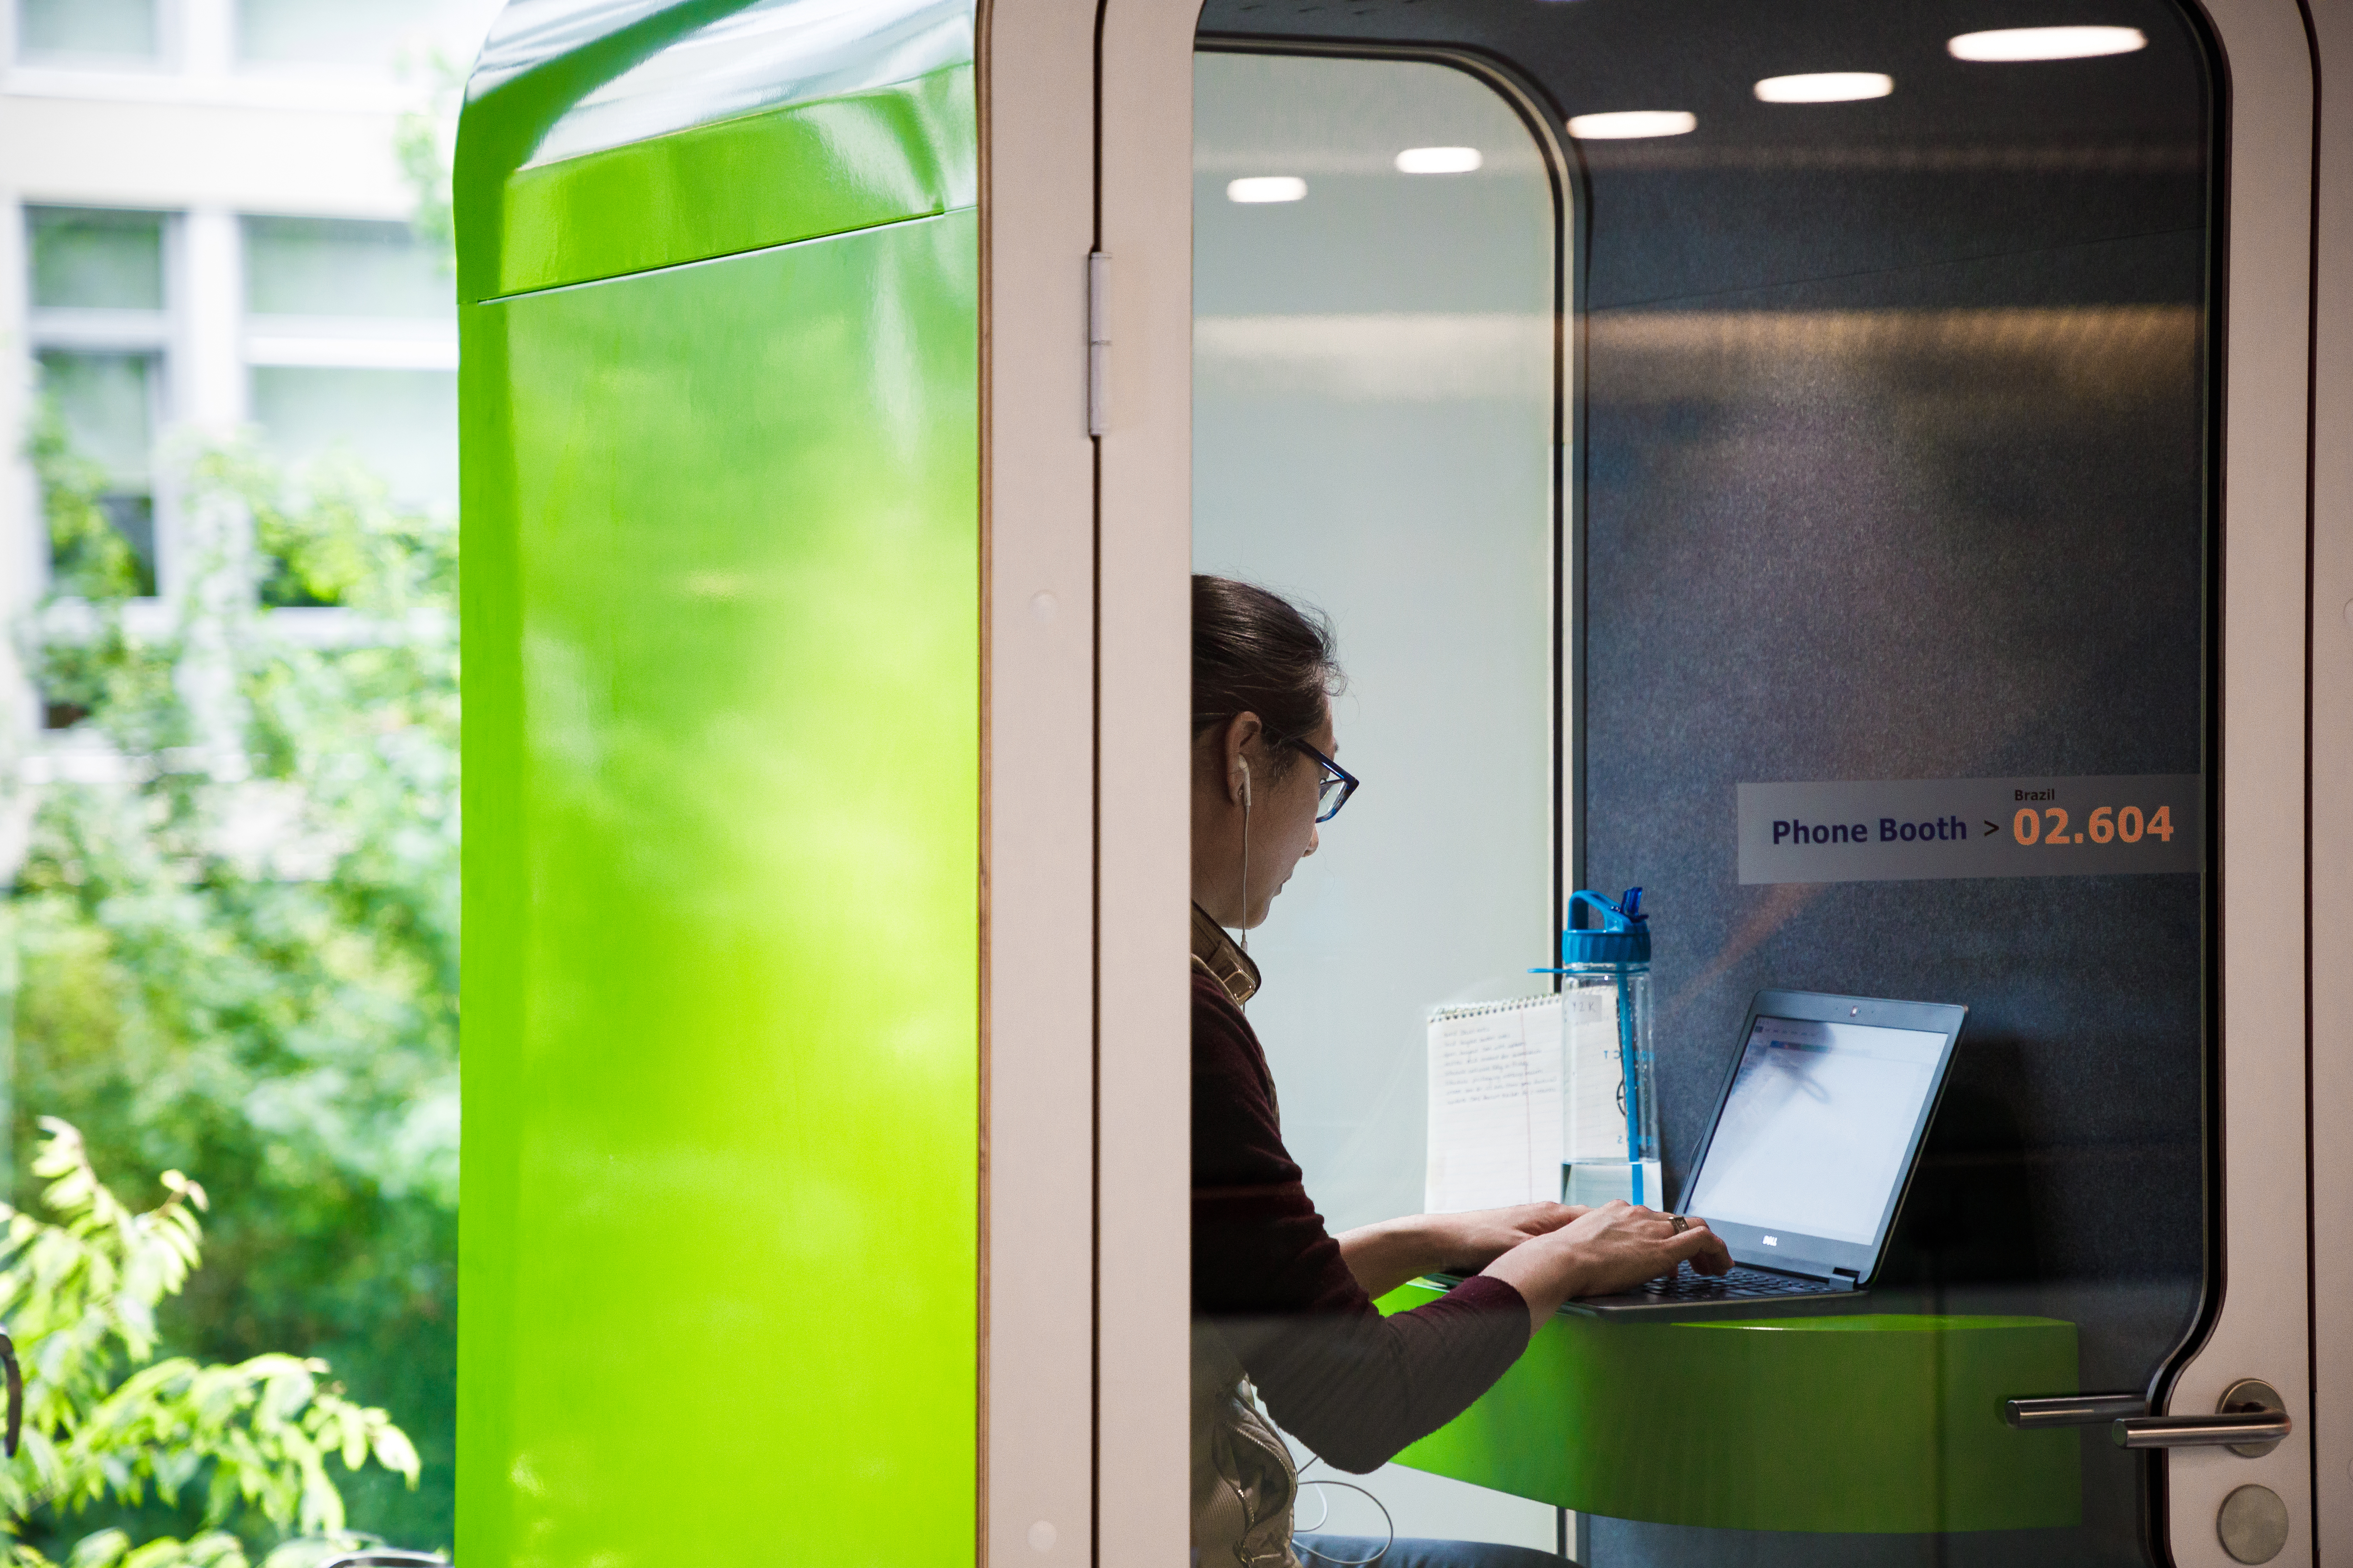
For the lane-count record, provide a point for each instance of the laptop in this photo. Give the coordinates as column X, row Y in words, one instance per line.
column 1814, row 1141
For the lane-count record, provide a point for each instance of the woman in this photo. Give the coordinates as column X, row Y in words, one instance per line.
column 1281, row 1307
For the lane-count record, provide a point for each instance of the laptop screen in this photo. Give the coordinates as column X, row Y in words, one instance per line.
column 1815, row 1135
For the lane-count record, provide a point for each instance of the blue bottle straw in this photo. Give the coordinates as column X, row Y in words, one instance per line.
column 1633, row 1091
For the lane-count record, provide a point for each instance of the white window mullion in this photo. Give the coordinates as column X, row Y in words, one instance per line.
column 208, row 318
column 204, row 372
column 207, row 315
column 24, row 534
column 205, row 31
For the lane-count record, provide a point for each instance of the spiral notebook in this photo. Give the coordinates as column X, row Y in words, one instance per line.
column 1516, row 1089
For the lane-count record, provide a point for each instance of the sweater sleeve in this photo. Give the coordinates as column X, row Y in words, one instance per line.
column 1353, row 1386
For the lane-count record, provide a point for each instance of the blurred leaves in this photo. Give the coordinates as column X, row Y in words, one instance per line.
column 105, row 1420
column 236, row 925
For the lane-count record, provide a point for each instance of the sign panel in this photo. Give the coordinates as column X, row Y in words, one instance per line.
column 1910, row 829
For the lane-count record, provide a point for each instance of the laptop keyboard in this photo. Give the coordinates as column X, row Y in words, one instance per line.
column 1688, row 1284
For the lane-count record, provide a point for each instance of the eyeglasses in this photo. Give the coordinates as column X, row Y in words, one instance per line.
column 1332, row 792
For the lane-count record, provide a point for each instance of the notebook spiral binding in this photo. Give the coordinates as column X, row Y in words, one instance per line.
column 1481, row 1009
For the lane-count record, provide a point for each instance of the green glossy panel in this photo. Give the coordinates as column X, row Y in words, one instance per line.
column 1864, row 1424
column 718, row 1265
column 841, row 164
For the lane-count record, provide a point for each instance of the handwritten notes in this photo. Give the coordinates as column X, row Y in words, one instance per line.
column 1516, row 1090
column 1494, row 1105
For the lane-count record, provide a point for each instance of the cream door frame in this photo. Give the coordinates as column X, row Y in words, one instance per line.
column 2262, row 1327
column 1084, row 1401
column 2331, row 800
column 1036, row 1503
column 1084, row 833
column 1145, row 217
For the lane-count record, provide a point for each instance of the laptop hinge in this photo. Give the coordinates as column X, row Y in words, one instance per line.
column 1844, row 1280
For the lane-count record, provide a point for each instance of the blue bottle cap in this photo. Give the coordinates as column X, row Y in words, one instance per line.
column 1623, row 940
column 1617, row 948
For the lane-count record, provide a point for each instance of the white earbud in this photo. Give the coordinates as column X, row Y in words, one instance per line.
column 1244, row 762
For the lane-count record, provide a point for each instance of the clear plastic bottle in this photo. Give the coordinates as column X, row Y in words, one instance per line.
column 1610, row 1130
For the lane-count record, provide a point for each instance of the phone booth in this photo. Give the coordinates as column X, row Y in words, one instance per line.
column 1872, row 477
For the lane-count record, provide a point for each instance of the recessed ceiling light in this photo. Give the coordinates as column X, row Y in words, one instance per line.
column 2046, row 43
column 1825, row 87
column 1267, row 188
column 1624, row 124
column 1438, row 160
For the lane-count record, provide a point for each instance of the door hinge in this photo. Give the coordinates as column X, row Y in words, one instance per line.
column 1098, row 342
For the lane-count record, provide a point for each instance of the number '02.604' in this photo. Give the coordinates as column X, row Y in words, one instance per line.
column 2106, row 823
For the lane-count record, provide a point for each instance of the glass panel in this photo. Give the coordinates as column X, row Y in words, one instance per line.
column 1374, row 409
column 106, row 403
column 93, row 257
column 133, row 515
column 118, row 28
column 402, row 424
column 1892, row 358
column 105, row 407
column 336, row 267
column 348, row 32
column 1373, row 413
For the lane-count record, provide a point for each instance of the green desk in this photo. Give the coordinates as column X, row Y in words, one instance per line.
column 1878, row 1423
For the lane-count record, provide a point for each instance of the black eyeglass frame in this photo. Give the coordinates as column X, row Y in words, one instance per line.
column 1341, row 776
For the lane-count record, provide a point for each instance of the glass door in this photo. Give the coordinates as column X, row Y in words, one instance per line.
column 1888, row 500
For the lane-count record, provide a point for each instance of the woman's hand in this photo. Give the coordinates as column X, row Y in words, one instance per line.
column 1469, row 1241
column 1605, row 1250
column 1385, row 1256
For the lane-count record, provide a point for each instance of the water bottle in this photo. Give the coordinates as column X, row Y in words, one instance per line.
column 1610, row 1129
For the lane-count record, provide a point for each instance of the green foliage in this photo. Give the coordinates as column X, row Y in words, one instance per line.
column 236, row 925
column 89, row 557
column 336, row 540
column 256, row 1437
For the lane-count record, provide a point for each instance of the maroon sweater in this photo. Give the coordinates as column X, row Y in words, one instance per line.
column 1353, row 1386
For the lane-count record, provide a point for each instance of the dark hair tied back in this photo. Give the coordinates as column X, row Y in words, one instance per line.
column 1256, row 652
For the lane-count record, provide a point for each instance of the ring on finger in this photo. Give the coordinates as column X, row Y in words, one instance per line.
column 1681, row 1224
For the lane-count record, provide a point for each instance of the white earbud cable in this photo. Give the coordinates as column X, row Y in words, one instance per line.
column 1388, row 1523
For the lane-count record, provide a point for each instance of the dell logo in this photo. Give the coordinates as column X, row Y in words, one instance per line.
column 1772, row 1241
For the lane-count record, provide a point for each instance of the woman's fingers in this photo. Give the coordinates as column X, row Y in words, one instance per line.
column 1688, row 1239
column 1611, row 1248
column 1702, row 1247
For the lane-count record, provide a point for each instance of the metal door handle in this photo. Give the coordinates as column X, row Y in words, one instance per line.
column 2072, row 1410
column 2231, row 1429
column 2251, row 1419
